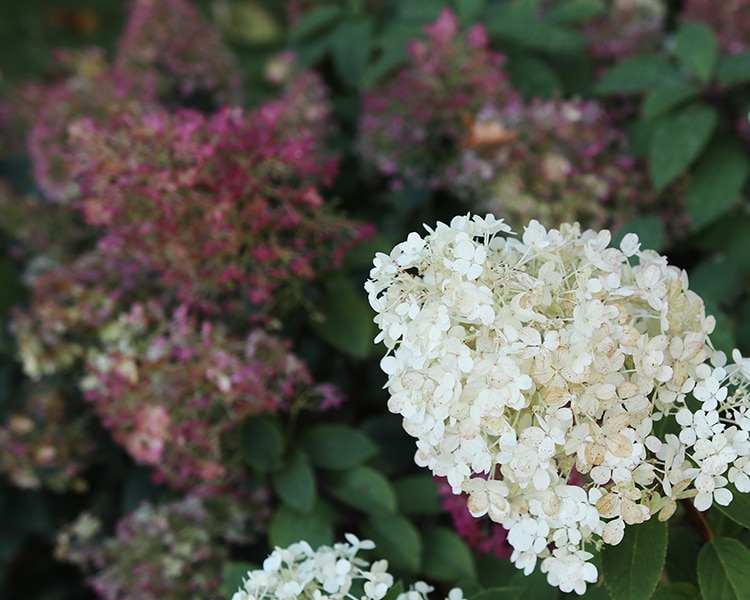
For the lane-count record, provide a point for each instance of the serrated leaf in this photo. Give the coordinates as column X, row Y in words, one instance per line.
column 262, row 444
column 650, row 231
column 344, row 319
column 295, row 483
column 289, row 526
column 365, row 489
column 529, row 32
column 632, row 568
column 314, row 21
column 678, row 141
column 417, row 495
column 351, row 47
column 717, row 181
column 468, row 10
column 722, row 570
column 396, row 539
column 733, row 69
column 676, row 591
column 739, row 509
column 337, row 447
column 576, row 13
column 637, row 74
column 696, row 49
column 666, row 97
column 533, row 77
column 446, row 556
column 232, row 576
column 499, row 593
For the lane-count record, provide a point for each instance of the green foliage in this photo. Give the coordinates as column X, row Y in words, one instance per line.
column 337, row 447
column 289, row 526
column 696, row 50
column 396, row 539
column 531, row 33
column 262, row 443
column 676, row 591
column 632, row 568
column 363, row 488
column 233, row 575
column 295, row 483
column 417, row 495
column 446, row 556
column 638, row 74
column 666, row 97
column 722, row 570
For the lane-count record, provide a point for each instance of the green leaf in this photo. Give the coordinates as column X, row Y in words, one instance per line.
column 396, row 539
column 676, row 591
column 314, row 21
column 365, row 489
column 446, row 556
column 424, row 10
column 233, row 575
column 351, row 47
column 417, row 495
column 499, row 593
column 11, row 290
column 650, row 231
column 532, row 33
column 533, row 77
column 576, row 13
column 337, row 447
column 344, row 319
column 468, row 10
column 666, row 97
column 390, row 59
column 395, row 591
column 733, row 69
column 262, row 444
column 717, row 181
column 696, row 49
column 295, row 483
column 289, row 526
column 637, row 74
column 678, row 141
column 739, row 509
column 723, row 570
column 632, row 568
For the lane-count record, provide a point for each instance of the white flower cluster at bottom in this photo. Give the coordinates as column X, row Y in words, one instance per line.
column 328, row 572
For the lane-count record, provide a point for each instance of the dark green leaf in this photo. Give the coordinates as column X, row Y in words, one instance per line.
column 533, row 77
column 499, row 593
column 395, row 591
column 417, row 495
column 733, row 69
column 289, row 526
column 535, row 584
column 424, row 10
column 696, row 49
column 684, row 543
column 337, row 447
column 632, row 568
column 723, row 570
column 717, row 181
column 351, row 47
column 232, row 576
column 314, row 21
column 650, row 232
column 11, row 290
column 575, row 13
column 365, row 489
column 396, row 539
column 532, row 33
column 739, row 509
column 262, row 443
column 446, row 556
column 345, row 319
column 676, row 591
column 468, row 10
column 388, row 61
column 666, row 97
column 678, row 141
column 637, row 74
column 295, row 483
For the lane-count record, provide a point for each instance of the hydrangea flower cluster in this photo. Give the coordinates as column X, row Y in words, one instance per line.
column 41, row 444
column 170, row 389
column 412, row 127
column 568, row 162
column 729, row 20
column 172, row 550
column 218, row 205
column 537, row 375
column 327, row 572
column 169, row 44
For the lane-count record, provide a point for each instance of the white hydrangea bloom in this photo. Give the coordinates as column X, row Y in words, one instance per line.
column 328, row 572
column 532, row 373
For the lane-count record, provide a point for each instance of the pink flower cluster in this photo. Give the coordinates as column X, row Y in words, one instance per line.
column 170, row 44
column 728, row 19
column 412, row 126
column 222, row 205
column 163, row 551
column 41, row 444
